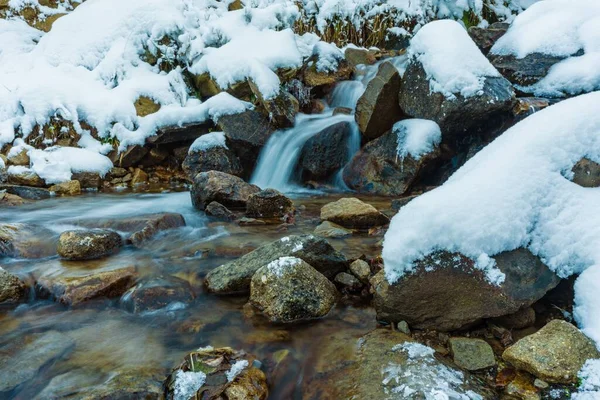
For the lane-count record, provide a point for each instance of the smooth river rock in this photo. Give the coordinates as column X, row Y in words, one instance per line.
column 12, row 289
column 268, row 203
column 223, row 188
column 353, row 213
column 88, row 244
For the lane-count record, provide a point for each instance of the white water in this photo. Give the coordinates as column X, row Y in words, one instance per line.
column 277, row 164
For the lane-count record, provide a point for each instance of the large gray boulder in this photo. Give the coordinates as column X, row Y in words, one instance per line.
column 446, row 292
column 223, row 188
column 235, row 277
column 215, row 158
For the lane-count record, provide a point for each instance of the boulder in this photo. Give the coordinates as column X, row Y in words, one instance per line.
column 25, row 177
column 235, row 277
column 472, row 354
column 326, row 153
column 88, row 244
column 130, row 157
column 139, row 177
column 586, row 173
column 378, row 109
column 19, row 158
column 26, row 241
column 353, row 213
column 164, row 292
column 223, row 188
column 179, row 134
column 361, row 270
column 446, row 292
column 221, row 373
column 155, row 156
column 288, row 290
column 12, row 289
column 314, row 77
column 281, row 109
column 26, row 192
column 218, row 210
column 330, row 230
column 455, row 115
column 359, row 56
column 268, row 203
column 348, row 281
column 377, row 168
column 69, row 188
column 555, row 353
column 216, row 158
column 485, row 38
column 246, row 134
column 74, row 290
column 524, row 318
column 10, row 200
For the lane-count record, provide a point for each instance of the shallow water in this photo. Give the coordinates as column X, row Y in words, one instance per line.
column 108, row 340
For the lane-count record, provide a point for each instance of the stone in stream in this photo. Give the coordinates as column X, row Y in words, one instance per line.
column 385, row 364
column 12, row 289
column 235, row 277
column 268, row 203
column 226, row 189
column 555, row 353
column 353, row 213
column 348, row 281
column 330, row 230
column 359, row 56
column 446, row 292
column 325, row 153
column 288, row 290
column 586, row 173
column 472, row 354
column 217, row 373
column 74, row 290
column 361, row 270
column 11, row 200
column 87, row 180
column 69, row 188
column 26, row 192
column 214, row 158
column 164, row 292
column 27, row 241
column 377, row 109
column 20, row 365
column 378, row 169
column 218, row 210
column 281, row 109
column 88, row 244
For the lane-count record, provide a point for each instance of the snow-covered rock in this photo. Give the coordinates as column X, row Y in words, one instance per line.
column 210, row 153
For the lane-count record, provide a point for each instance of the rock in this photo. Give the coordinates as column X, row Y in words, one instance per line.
column 350, row 212
column 378, row 109
column 521, row 388
column 403, row 327
column 314, row 78
column 20, row 365
column 25, row 176
column 235, row 277
column 26, row 192
column 245, row 221
column 26, row 241
column 540, row 384
column 88, row 244
column 455, row 115
column 472, row 354
column 117, row 172
column 12, row 289
column 246, row 134
column 130, row 157
column 454, row 294
column 155, row 156
column 359, row 56
column 586, row 173
column 165, row 292
column 342, row 111
column 215, row 158
column 326, row 153
column 223, row 188
column 87, row 180
column 218, row 210
column 555, row 353
column 180, row 134
column 221, row 373
column 377, row 169
column 282, row 109
column 288, row 290
column 268, row 203
column 74, row 290
column 330, row 230
column 485, row 38
column 348, row 281
column 523, row 318
column 10, row 200
column 21, row 158
column 69, row 188
column 385, row 364
column 361, row 270
column 139, row 177
column 397, row 204
column 145, row 106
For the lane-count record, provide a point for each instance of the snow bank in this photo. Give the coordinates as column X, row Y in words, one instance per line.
column 559, row 28
column 516, row 193
column 187, row 384
column 451, row 60
column 416, row 137
column 589, row 389
column 208, row 141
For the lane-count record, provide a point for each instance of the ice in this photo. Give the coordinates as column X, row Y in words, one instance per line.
column 236, row 369
column 208, row 141
column 514, row 193
column 187, row 384
column 452, row 61
column 416, row 137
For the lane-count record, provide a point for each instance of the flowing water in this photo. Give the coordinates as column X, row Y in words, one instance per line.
column 110, row 342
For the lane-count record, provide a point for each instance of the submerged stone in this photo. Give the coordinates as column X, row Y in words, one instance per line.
column 26, row 241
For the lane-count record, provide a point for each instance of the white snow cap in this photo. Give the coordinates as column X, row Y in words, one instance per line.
column 452, row 61
column 208, row 141
column 57, row 164
column 559, row 28
column 515, row 193
column 416, row 137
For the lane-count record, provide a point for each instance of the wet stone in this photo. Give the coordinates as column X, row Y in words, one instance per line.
column 218, row 210
column 330, row 230
column 69, row 188
column 361, row 270
column 26, row 241
column 353, row 213
column 12, row 289
column 268, row 203
column 26, row 192
column 348, row 281
column 472, row 354
column 586, row 173
column 153, row 294
column 88, row 244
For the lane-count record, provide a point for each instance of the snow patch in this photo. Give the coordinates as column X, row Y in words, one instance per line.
column 283, row 264
column 187, row 384
column 208, row 141
column 56, row 164
column 236, row 369
column 589, row 389
column 416, row 137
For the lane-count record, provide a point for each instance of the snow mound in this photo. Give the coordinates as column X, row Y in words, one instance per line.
column 451, row 60
column 416, row 137
column 559, row 28
column 236, row 369
column 208, row 141
column 516, row 193
column 187, row 384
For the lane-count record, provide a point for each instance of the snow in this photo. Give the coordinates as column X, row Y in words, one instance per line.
column 208, row 141
column 2, row 165
column 416, row 137
column 282, row 265
column 589, row 389
column 187, row 384
column 236, row 369
column 515, row 193
column 328, row 56
column 558, row 28
column 452, row 61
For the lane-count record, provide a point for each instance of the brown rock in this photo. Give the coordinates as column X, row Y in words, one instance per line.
column 226, row 189
column 25, row 177
column 218, row 210
column 69, row 188
column 215, row 158
column 145, row 106
column 359, row 57
column 10, row 200
column 87, row 180
column 350, row 212
column 12, row 289
column 26, row 241
column 20, row 158
column 268, row 203
column 130, row 157
column 139, row 177
column 157, row 293
column 88, row 244
column 586, row 173
column 523, row 318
